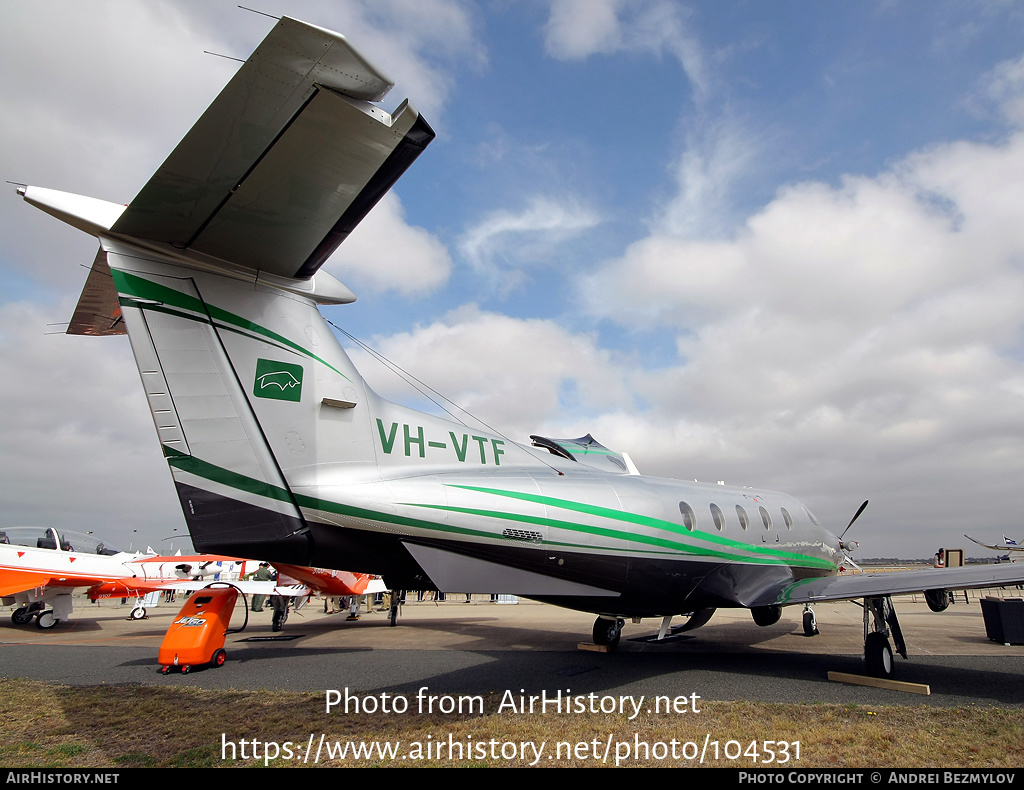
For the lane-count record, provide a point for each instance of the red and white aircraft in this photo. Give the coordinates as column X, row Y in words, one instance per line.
column 40, row 567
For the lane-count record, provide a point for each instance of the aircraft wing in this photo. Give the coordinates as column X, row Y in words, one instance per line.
column 838, row 588
column 247, row 587
column 125, row 587
column 332, row 582
column 995, row 547
column 286, row 161
column 15, row 581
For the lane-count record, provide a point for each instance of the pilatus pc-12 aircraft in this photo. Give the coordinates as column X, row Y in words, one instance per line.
column 280, row 451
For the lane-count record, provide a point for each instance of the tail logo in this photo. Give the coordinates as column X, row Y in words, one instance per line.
column 277, row 380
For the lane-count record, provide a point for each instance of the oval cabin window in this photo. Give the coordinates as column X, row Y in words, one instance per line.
column 744, row 521
column 689, row 519
column 718, row 517
column 787, row 518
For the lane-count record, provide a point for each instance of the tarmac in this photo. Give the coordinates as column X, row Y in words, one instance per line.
column 482, row 648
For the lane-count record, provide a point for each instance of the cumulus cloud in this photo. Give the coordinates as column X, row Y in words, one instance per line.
column 385, row 253
column 520, row 375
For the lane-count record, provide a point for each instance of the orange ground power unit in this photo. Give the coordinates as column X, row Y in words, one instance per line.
column 196, row 636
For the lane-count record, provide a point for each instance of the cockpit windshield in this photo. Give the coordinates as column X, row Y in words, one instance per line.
column 49, row 538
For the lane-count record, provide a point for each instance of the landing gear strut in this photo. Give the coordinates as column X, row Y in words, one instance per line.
column 396, row 600
column 280, row 604
column 607, row 632
column 879, row 624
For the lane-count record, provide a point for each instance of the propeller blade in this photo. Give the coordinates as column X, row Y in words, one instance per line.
column 855, row 517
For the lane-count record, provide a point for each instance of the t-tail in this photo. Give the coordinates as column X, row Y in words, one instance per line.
column 214, row 273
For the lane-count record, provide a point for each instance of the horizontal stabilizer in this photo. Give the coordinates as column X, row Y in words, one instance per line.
column 285, row 162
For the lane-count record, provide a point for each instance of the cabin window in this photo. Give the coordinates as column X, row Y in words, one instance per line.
column 718, row 517
column 689, row 519
column 765, row 518
column 787, row 518
column 744, row 521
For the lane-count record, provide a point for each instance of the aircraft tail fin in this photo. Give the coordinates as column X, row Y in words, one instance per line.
column 206, row 429
column 213, row 270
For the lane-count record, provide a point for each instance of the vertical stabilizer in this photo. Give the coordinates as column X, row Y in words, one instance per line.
column 244, row 383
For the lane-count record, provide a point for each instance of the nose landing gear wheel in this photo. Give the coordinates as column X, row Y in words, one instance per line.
column 810, row 623
column 46, row 620
column 138, row 613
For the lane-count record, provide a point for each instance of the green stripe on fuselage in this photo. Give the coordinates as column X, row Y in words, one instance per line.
column 789, row 557
column 676, row 547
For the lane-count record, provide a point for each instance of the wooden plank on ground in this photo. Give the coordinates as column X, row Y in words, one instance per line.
column 880, row 683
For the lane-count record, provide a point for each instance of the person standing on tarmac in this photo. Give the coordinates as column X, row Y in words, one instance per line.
column 262, row 574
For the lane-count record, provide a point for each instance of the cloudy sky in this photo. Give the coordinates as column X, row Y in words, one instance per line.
column 777, row 244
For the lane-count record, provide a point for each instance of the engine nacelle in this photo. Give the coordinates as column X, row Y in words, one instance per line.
column 766, row 615
column 937, row 600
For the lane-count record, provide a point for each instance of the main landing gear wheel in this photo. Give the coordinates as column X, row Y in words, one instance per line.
column 138, row 613
column 21, row 616
column 607, row 632
column 878, row 656
column 46, row 620
column 219, row 658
